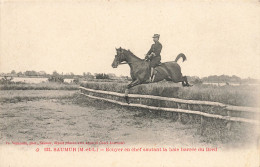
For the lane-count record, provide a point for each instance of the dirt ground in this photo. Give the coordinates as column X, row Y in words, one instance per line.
column 84, row 120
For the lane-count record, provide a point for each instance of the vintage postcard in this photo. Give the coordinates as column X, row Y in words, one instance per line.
column 115, row 83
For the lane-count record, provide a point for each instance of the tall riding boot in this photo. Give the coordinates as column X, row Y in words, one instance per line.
column 152, row 76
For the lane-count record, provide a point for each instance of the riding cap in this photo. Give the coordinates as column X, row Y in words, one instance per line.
column 156, row 36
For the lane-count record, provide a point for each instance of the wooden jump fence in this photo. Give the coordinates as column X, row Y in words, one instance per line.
column 189, row 106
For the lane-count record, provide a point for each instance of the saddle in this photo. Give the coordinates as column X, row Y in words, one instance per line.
column 149, row 60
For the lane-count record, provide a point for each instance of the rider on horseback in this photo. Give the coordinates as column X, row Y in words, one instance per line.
column 154, row 55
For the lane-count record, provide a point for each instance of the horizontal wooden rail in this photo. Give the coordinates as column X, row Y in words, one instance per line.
column 176, row 110
column 176, row 100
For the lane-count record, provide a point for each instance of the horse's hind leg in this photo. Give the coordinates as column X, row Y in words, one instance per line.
column 185, row 81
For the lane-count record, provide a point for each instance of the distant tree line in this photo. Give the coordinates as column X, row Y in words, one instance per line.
column 88, row 76
column 222, row 79
column 228, row 79
column 32, row 73
column 57, row 76
column 102, row 76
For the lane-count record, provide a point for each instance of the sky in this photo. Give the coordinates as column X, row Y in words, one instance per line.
column 217, row 37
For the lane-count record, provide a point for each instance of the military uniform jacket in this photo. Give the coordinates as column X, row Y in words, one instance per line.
column 156, row 48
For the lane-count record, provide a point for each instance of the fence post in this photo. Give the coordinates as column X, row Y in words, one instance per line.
column 229, row 122
column 159, row 105
column 190, row 115
column 179, row 114
column 173, row 113
column 202, row 122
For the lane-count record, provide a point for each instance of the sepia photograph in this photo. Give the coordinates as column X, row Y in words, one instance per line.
column 149, row 83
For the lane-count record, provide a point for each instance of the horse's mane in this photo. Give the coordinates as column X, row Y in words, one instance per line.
column 130, row 52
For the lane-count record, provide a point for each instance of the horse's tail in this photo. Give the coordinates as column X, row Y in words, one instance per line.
column 181, row 55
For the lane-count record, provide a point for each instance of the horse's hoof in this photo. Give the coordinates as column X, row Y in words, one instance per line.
column 187, row 85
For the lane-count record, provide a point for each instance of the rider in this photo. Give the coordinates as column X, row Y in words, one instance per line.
column 154, row 55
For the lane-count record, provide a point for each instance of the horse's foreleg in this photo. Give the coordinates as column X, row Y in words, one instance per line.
column 132, row 84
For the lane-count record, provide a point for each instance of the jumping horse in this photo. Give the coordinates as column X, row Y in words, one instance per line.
column 140, row 70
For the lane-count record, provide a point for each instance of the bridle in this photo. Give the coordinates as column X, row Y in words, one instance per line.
column 123, row 62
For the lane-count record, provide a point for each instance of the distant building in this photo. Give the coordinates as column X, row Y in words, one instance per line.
column 42, row 73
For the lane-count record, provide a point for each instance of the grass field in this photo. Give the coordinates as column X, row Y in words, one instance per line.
column 18, row 91
column 242, row 95
column 38, row 86
column 43, row 100
column 15, row 96
column 61, row 115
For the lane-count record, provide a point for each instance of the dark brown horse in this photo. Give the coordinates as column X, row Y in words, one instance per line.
column 140, row 69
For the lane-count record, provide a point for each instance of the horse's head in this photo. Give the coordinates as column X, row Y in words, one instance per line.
column 119, row 57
